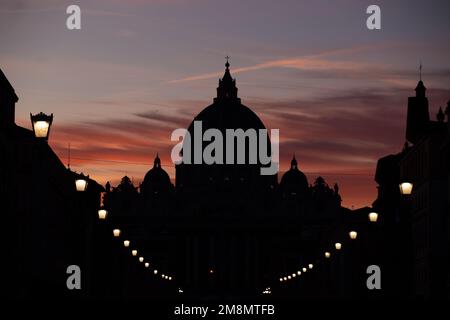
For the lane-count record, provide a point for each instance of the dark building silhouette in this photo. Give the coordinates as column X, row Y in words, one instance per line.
column 224, row 230
column 417, row 226
column 46, row 224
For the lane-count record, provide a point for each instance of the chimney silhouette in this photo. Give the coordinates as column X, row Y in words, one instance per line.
column 8, row 99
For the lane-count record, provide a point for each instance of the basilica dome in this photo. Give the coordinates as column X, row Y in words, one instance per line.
column 226, row 112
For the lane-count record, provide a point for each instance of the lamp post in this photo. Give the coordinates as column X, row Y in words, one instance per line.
column 404, row 243
column 41, row 124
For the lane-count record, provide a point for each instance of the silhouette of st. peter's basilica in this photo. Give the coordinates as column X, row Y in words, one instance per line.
column 223, row 230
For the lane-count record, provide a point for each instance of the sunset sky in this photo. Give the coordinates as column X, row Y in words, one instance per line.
column 139, row 69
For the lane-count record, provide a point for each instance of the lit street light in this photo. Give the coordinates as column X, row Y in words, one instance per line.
column 338, row 246
column 102, row 213
column 406, row 188
column 373, row 217
column 116, row 233
column 41, row 124
column 126, row 243
column 353, row 235
column 134, row 253
column 327, row 254
column 81, row 182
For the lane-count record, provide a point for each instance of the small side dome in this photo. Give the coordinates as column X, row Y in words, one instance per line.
column 294, row 182
column 156, row 180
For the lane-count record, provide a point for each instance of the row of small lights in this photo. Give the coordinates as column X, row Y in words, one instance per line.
column 405, row 189
column 81, row 186
column 134, row 253
column 373, row 217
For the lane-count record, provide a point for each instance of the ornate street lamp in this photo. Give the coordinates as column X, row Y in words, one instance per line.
column 41, row 124
column 310, row 265
column 141, row 259
column 373, row 217
column 284, row 278
column 327, row 254
column 102, row 213
column 406, row 188
column 116, row 233
column 81, row 182
column 289, row 277
column 170, row 278
column 134, row 253
column 281, row 279
column 155, row 271
column 353, row 235
column 338, row 246
column 304, row 270
column 294, row 275
column 147, row 264
column 126, row 243
column 299, row 272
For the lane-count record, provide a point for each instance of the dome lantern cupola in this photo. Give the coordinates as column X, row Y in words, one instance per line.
column 227, row 85
column 294, row 165
column 157, row 162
